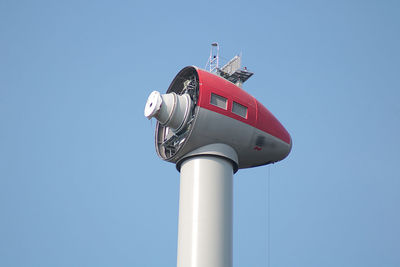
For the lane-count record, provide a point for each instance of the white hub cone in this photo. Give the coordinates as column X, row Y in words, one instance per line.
column 171, row 110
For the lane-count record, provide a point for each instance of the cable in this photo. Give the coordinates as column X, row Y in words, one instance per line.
column 268, row 215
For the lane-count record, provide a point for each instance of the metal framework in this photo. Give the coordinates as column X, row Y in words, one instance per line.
column 231, row 71
column 213, row 61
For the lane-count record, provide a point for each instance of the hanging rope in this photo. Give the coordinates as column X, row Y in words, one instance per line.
column 268, row 214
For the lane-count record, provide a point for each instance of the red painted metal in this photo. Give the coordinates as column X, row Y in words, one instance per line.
column 257, row 115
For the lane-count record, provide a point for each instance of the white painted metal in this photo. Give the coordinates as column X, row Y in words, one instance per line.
column 205, row 212
column 213, row 61
column 216, row 149
column 153, row 104
column 233, row 65
column 171, row 110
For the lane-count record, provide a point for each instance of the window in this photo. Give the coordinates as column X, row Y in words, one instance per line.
column 239, row 110
column 218, row 101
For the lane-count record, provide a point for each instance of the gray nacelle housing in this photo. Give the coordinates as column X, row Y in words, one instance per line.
column 204, row 127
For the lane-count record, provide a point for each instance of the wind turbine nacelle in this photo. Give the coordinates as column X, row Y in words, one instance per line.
column 201, row 108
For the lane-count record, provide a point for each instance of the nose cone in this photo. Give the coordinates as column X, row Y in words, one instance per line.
column 171, row 110
column 153, row 105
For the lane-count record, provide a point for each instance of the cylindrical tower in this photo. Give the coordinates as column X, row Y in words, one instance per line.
column 205, row 212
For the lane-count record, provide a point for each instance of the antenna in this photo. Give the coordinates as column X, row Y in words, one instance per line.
column 213, row 61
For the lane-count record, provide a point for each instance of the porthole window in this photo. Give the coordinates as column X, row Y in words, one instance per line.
column 218, row 101
column 239, row 109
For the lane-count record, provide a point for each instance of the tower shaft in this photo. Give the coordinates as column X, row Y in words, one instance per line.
column 205, row 212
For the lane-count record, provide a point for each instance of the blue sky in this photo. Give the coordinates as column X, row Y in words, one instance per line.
column 81, row 184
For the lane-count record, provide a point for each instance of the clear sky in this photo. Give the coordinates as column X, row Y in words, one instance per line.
column 81, row 184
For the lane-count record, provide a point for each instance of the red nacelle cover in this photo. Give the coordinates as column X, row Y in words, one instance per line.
column 258, row 116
